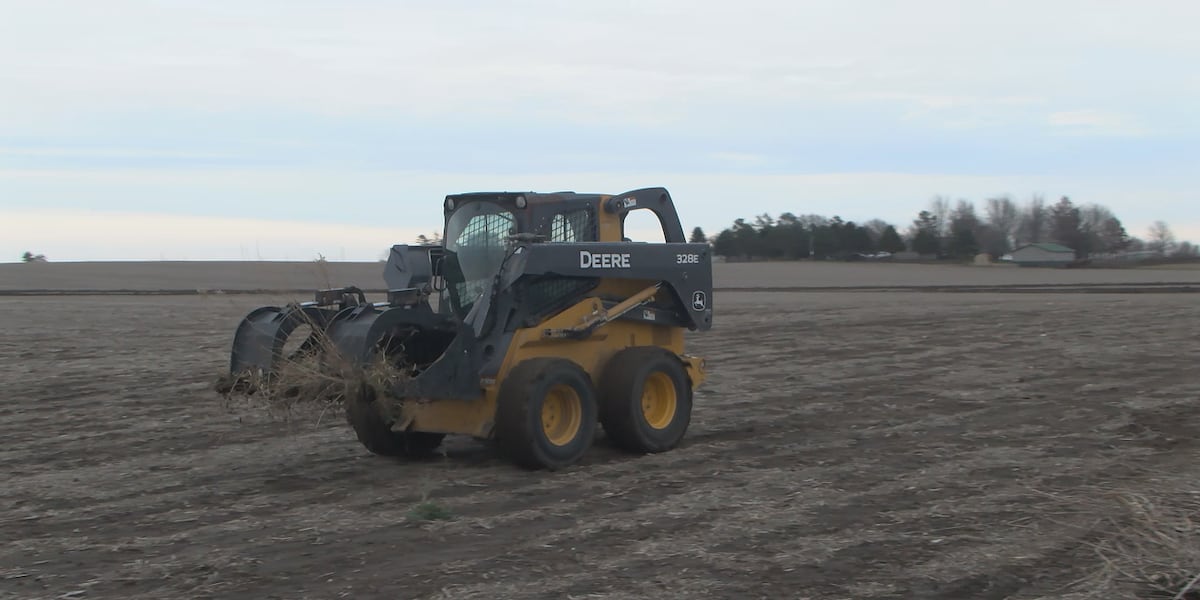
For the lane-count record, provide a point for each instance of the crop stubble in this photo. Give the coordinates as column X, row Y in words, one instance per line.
column 848, row 445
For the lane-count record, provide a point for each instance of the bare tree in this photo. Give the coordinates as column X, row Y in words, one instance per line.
column 1093, row 216
column 1112, row 236
column 1004, row 219
column 876, row 227
column 1161, row 240
column 1100, row 230
column 964, row 216
column 811, row 222
column 1035, row 220
column 939, row 207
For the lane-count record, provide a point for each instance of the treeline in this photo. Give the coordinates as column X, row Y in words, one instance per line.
column 945, row 230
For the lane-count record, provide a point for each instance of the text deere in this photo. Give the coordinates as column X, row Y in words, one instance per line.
column 589, row 260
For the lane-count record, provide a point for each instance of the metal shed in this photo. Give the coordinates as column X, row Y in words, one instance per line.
column 1042, row 255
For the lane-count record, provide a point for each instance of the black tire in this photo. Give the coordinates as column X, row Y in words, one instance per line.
column 375, row 433
column 628, row 424
column 530, row 396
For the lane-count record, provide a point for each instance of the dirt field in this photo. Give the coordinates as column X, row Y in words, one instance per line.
column 849, row 445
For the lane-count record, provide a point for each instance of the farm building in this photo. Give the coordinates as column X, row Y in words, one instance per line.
column 1041, row 255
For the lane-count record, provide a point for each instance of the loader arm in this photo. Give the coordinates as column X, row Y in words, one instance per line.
column 604, row 315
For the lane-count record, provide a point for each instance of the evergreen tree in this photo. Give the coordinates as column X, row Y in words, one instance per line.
column 925, row 238
column 726, row 244
column 964, row 228
column 1066, row 227
column 889, row 240
column 963, row 243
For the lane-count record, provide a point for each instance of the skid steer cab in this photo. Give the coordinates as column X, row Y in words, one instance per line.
column 533, row 323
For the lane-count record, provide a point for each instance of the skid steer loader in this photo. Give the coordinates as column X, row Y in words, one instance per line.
column 533, row 322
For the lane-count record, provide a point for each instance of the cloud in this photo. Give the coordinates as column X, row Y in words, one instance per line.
column 583, row 62
column 1091, row 121
column 738, row 158
column 113, row 153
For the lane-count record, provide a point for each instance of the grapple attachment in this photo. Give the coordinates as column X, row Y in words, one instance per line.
column 260, row 344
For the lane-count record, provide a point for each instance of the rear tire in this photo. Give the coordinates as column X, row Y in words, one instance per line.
column 645, row 400
column 375, row 433
column 546, row 413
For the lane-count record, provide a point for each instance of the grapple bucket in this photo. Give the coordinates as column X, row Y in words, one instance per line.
column 261, row 342
column 262, row 337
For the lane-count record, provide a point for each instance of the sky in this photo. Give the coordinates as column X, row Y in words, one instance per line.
column 292, row 130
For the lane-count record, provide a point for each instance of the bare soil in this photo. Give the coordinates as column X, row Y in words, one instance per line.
column 848, row 445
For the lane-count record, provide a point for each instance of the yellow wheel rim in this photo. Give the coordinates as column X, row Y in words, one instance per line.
column 658, row 400
column 562, row 415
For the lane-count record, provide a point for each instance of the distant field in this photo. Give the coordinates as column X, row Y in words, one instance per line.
column 146, row 276
column 188, row 275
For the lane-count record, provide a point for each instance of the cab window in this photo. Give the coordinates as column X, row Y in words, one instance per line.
column 573, row 226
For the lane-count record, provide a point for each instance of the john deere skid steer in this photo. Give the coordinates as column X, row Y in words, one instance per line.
column 535, row 321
